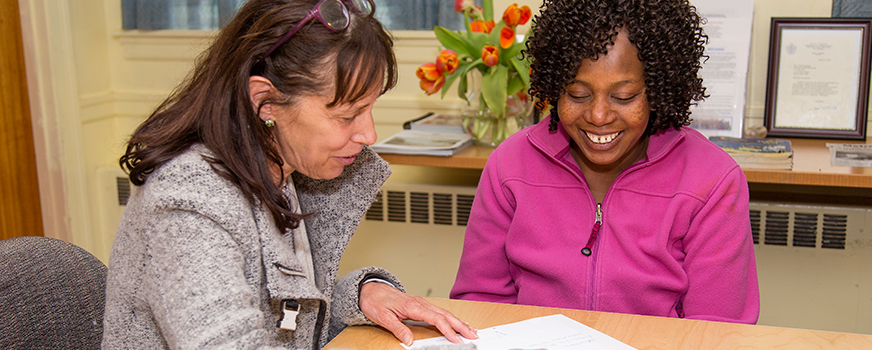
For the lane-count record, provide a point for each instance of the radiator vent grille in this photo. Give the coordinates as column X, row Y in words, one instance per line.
column 396, row 206
column 805, row 229
column 464, row 205
column 835, row 231
column 122, row 184
column 807, row 226
column 776, row 228
column 420, row 207
column 442, row 206
column 755, row 225
column 423, row 204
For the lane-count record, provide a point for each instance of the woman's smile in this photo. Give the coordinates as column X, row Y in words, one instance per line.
column 601, row 139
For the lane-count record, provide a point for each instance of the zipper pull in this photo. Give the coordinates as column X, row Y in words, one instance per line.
column 595, row 231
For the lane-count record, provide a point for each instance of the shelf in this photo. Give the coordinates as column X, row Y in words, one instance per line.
column 811, row 166
column 473, row 157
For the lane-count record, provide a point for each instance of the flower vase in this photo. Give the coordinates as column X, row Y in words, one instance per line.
column 488, row 129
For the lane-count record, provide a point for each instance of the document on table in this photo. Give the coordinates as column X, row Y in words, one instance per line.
column 555, row 332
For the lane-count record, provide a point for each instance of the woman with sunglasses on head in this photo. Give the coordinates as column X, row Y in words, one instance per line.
column 251, row 178
column 613, row 203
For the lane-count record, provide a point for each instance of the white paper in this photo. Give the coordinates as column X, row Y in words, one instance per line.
column 850, row 154
column 728, row 26
column 554, row 332
column 422, row 142
column 817, row 78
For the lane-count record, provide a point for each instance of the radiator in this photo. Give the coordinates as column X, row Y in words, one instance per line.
column 416, row 232
column 814, row 265
column 813, row 262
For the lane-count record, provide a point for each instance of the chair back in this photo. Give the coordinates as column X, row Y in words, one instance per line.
column 51, row 295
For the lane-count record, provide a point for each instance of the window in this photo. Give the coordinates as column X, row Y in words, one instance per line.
column 177, row 14
column 212, row 14
column 418, row 14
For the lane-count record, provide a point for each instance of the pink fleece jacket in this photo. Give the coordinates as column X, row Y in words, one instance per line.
column 675, row 237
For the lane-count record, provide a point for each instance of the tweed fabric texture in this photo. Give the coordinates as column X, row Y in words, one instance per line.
column 51, row 295
column 196, row 265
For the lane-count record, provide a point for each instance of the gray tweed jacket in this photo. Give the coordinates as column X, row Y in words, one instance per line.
column 194, row 265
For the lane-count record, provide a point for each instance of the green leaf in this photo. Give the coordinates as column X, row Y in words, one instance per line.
column 515, row 85
column 512, row 53
column 478, row 40
column 522, row 70
column 449, row 79
column 462, row 86
column 454, row 41
column 487, row 6
column 493, row 88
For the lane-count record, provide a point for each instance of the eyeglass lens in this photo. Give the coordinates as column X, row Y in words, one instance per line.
column 334, row 14
column 362, row 6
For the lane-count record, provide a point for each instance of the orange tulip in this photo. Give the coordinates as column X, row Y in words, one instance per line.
column 512, row 15
column 432, row 86
column 490, row 55
column 515, row 15
column 480, row 26
column 507, row 37
column 428, row 71
column 526, row 14
column 447, row 62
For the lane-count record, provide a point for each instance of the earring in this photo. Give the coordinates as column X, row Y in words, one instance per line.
column 269, row 123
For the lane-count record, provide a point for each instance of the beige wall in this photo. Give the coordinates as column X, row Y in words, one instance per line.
column 91, row 84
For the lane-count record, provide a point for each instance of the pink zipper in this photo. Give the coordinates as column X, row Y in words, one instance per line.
column 594, row 232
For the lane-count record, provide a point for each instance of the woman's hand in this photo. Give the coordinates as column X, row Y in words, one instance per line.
column 388, row 307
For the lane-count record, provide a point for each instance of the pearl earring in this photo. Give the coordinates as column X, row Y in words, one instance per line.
column 269, row 123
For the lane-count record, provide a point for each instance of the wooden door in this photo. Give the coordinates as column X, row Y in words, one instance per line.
column 20, row 213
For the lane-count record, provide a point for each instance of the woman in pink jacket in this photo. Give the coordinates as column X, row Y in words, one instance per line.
column 614, row 204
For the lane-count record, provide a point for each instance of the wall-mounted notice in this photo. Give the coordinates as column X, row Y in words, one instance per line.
column 724, row 73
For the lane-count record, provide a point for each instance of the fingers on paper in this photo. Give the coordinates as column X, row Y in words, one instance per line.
column 388, row 307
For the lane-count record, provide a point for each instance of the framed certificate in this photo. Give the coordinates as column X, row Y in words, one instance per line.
column 818, row 79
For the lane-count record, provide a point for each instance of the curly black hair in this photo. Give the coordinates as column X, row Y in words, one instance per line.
column 667, row 33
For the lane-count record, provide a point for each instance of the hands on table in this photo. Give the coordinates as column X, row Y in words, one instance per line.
column 388, row 307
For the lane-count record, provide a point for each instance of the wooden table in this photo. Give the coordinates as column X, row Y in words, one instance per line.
column 811, row 166
column 641, row 332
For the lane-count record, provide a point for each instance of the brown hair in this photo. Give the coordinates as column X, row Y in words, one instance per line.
column 213, row 106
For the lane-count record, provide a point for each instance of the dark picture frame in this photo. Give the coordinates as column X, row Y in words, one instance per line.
column 818, row 78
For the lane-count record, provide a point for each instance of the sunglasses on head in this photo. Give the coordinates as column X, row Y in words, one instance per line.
column 333, row 14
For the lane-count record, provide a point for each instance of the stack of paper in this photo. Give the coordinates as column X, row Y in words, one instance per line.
column 757, row 153
column 424, row 143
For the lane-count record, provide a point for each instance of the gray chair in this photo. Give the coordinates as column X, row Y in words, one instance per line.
column 51, row 295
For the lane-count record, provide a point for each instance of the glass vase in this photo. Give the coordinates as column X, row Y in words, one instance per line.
column 488, row 129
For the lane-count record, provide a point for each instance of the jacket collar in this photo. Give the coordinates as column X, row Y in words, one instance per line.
column 340, row 204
